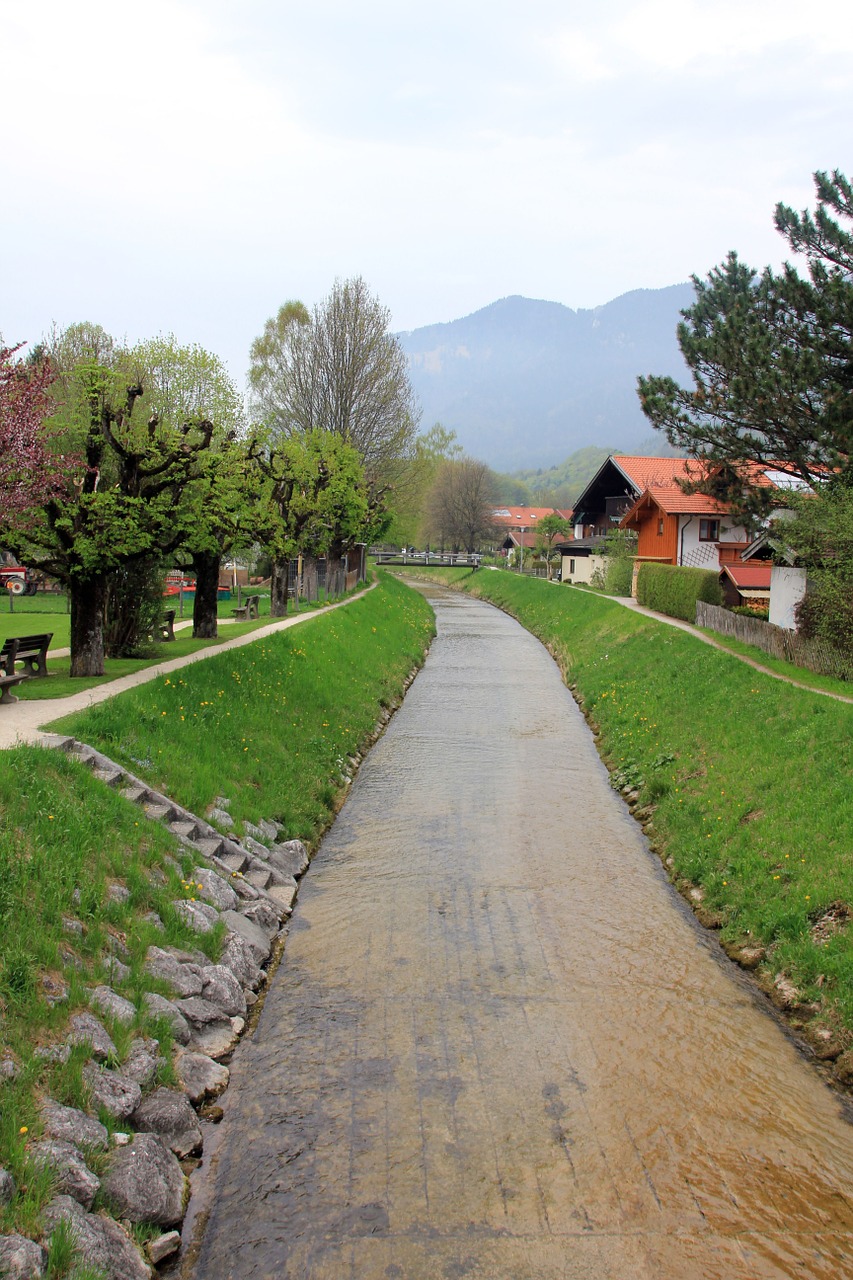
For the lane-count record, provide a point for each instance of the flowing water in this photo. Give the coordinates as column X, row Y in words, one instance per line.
column 498, row 1046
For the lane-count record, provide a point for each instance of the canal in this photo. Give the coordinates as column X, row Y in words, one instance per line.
column 498, row 1044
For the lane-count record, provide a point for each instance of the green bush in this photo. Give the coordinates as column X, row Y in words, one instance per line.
column 674, row 589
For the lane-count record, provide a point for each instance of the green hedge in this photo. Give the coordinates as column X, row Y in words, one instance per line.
column 674, row 590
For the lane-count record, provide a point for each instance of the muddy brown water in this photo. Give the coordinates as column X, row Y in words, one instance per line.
column 498, row 1045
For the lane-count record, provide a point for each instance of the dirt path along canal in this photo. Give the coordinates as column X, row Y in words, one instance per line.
column 498, row 1046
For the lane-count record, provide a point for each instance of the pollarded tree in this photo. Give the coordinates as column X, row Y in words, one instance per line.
column 186, row 383
column 771, row 354
column 316, row 500
column 122, row 502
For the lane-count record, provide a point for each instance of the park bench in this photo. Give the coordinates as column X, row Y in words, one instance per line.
column 167, row 625
column 31, row 650
column 248, row 609
column 7, row 683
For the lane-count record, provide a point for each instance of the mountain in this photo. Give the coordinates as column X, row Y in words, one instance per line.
column 524, row 383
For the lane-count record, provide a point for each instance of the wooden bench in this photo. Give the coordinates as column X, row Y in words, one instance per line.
column 31, row 650
column 248, row 609
column 167, row 626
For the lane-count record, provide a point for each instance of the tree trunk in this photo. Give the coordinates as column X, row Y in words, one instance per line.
column 310, row 577
column 278, row 588
column 206, row 569
column 88, row 596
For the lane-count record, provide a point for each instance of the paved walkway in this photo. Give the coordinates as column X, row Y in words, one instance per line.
column 22, row 721
column 498, row 1045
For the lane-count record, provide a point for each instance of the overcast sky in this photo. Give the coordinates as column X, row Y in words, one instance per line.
column 186, row 166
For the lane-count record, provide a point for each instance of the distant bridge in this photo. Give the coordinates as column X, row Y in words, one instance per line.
column 428, row 559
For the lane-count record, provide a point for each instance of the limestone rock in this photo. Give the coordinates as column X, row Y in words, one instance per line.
column 142, row 1062
column 222, row 989
column 220, row 818
column 116, row 970
column 168, row 1114
column 163, row 1247
column 200, row 1076
column 86, row 1029
column 112, row 1091
column 200, row 1012
column 198, row 915
column 101, row 1242
column 21, row 1259
column 214, row 889
column 70, row 1125
column 185, row 978
column 293, row 855
column 7, row 1187
column 159, row 1007
column 238, row 957
column 283, row 895
column 145, row 1183
column 111, row 1003
column 73, row 1177
column 217, row 1039
column 251, row 933
column 264, row 915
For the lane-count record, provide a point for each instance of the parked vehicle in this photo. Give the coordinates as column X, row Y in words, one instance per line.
column 18, row 580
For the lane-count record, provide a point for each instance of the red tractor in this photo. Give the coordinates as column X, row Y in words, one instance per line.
column 18, row 580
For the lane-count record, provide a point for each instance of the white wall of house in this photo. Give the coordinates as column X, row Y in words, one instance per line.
column 787, row 588
column 703, row 555
column 578, row 568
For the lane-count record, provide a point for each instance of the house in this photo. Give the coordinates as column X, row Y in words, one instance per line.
column 617, row 484
column 674, row 527
column 518, row 525
column 746, row 584
column 580, row 558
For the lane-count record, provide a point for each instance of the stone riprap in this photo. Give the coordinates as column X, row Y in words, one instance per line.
column 249, row 888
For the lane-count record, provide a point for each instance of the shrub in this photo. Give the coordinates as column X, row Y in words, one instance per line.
column 674, row 589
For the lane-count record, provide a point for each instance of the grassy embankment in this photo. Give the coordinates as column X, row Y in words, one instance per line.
column 743, row 780
column 270, row 726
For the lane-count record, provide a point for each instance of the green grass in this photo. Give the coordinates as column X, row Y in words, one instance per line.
column 271, row 726
column 801, row 674
column 746, row 779
column 59, row 683
column 65, row 841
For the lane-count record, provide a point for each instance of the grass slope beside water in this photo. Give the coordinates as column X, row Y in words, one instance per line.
column 745, row 779
column 270, row 726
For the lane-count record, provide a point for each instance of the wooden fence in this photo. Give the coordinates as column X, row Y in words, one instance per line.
column 778, row 642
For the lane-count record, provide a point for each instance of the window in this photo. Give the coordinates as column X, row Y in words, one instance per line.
column 571, row 566
column 709, row 531
column 660, row 527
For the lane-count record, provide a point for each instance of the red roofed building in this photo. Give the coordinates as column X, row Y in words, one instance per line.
column 747, row 584
column 674, row 527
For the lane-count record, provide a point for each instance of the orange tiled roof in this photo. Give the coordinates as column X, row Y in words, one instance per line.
column 647, row 472
column 754, row 576
column 674, row 501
